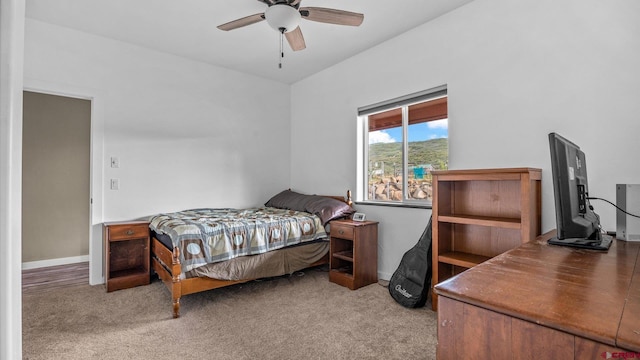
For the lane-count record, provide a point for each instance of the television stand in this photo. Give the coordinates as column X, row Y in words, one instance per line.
column 595, row 242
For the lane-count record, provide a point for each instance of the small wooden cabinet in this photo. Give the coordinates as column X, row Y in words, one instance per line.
column 478, row 214
column 127, row 256
column 354, row 253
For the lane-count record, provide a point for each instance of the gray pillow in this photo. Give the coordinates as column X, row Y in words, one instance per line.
column 328, row 209
column 325, row 208
column 289, row 200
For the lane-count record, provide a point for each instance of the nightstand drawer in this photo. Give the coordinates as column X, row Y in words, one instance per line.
column 121, row 232
column 342, row 231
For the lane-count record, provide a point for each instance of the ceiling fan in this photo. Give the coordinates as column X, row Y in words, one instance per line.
column 284, row 16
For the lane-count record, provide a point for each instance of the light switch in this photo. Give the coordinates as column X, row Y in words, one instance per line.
column 115, row 184
column 115, row 162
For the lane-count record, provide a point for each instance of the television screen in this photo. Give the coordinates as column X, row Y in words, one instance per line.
column 577, row 224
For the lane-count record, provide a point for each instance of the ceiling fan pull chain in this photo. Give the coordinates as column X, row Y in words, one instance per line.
column 281, row 47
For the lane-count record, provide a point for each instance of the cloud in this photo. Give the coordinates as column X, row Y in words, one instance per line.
column 438, row 124
column 380, row 137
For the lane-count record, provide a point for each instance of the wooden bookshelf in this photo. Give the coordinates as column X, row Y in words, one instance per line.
column 478, row 214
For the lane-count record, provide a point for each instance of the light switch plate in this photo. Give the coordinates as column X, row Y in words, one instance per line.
column 115, row 162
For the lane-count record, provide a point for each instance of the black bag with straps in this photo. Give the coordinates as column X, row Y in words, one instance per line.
column 410, row 283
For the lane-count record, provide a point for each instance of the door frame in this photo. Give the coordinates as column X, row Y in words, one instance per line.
column 96, row 165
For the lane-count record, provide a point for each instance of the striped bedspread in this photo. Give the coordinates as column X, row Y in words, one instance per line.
column 212, row 235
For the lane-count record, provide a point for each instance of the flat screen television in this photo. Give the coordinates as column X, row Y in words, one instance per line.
column 577, row 224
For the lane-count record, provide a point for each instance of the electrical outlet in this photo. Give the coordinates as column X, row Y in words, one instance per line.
column 115, row 162
column 115, row 184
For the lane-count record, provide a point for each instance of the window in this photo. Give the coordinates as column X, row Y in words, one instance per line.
column 403, row 141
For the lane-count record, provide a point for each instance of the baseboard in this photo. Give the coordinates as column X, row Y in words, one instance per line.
column 85, row 258
column 384, row 276
column 54, row 262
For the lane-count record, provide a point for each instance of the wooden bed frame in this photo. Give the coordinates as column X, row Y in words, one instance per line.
column 166, row 264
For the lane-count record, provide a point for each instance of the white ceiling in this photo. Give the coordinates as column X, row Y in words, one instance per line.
column 188, row 28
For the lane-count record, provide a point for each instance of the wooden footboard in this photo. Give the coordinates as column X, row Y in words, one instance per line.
column 167, row 265
column 170, row 275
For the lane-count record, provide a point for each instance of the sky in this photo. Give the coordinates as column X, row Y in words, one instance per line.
column 417, row 132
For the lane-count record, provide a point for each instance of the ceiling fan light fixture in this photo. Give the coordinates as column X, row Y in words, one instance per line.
column 282, row 16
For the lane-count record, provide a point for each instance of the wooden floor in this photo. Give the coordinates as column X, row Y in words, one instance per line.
column 55, row 277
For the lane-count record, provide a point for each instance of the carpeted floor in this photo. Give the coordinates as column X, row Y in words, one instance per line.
column 302, row 316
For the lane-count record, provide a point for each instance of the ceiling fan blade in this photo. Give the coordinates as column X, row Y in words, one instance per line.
column 295, row 39
column 268, row 2
column 248, row 20
column 332, row 16
column 294, row 2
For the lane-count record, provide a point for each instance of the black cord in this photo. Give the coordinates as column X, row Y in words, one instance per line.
column 614, row 205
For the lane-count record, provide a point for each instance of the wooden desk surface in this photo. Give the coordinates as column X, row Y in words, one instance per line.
column 595, row 295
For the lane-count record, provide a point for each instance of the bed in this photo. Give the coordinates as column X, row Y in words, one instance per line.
column 203, row 249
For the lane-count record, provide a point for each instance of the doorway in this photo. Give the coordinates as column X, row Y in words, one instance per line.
column 56, row 170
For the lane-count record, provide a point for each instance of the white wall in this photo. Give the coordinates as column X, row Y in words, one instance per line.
column 187, row 134
column 515, row 71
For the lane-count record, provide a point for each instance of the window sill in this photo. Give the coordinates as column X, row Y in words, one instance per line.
column 398, row 204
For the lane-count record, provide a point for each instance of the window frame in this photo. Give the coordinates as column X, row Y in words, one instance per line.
column 403, row 102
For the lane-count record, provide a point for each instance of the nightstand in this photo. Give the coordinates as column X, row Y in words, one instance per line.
column 353, row 253
column 127, row 255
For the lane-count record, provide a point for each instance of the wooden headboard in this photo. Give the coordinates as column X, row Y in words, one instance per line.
column 346, row 200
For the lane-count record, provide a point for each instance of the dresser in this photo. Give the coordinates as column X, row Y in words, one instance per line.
column 552, row 301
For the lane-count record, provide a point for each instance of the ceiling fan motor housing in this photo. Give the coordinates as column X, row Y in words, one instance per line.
column 282, row 16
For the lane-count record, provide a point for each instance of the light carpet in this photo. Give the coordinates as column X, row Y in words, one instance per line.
column 301, row 316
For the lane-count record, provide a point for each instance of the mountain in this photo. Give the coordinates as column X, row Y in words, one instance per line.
column 388, row 156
